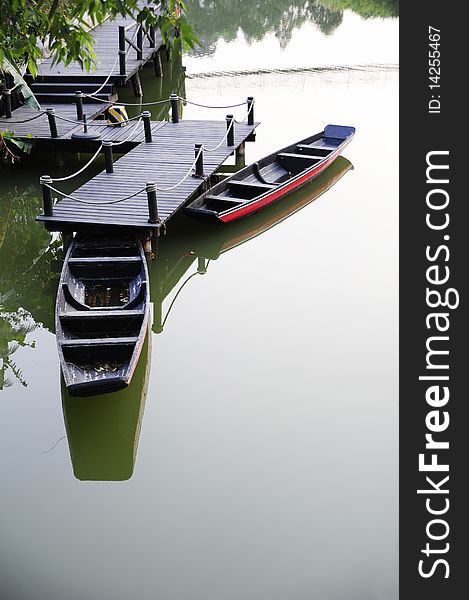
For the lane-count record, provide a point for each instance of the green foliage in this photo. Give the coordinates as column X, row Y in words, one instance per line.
column 27, row 26
column 9, row 146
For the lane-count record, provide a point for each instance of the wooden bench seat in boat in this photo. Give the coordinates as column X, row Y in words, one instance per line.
column 83, row 260
column 110, row 341
column 118, row 313
column 225, row 200
column 321, row 151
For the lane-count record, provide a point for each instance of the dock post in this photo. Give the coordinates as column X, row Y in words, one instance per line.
column 139, row 42
column 199, row 165
column 52, row 123
column 137, row 85
column 146, row 116
column 250, row 102
column 47, row 201
column 79, row 104
column 152, row 202
column 7, row 103
column 230, row 127
column 174, row 98
column 122, row 67
column 107, row 149
column 157, row 64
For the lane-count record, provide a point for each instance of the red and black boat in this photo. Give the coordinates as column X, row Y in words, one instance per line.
column 272, row 177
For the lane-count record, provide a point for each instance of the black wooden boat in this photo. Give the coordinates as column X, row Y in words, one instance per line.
column 101, row 314
column 272, row 177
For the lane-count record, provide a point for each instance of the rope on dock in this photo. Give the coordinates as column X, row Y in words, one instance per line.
column 95, row 124
column 134, row 129
column 115, row 64
column 127, row 103
column 189, row 172
column 95, row 155
column 247, row 115
column 223, row 138
column 8, row 121
column 207, row 106
column 94, row 203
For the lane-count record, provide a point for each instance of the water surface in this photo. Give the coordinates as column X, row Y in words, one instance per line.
column 255, row 455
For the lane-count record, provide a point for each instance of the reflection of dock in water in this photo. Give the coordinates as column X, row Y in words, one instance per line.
column 192, row 241
column 103, row 431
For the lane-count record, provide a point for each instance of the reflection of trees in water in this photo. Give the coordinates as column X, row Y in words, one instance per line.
column 27, row 285
column 365, row 8
column 14, row 327
column 213, row 19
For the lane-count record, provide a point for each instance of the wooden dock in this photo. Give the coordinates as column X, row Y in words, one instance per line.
column 165, row 161
column 162, row 153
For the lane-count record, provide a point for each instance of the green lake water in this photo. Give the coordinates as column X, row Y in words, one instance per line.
column 255, row 454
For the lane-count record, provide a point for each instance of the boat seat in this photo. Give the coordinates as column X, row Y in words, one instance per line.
column 300, row 156
column 320, row 150
column 110, row 341
column 97, row 313
column 261, row 187
column 226, row 200
column 77, row 305
column 85, row 260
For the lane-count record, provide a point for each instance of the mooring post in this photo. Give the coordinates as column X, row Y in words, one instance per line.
column 230, row 127
column 47, row 201
column 146, row 116
column 157, row 64
column 152, row 202
column 107, row 149
column 199, row 165
column 79, row 104
column 122, row 67
column 7, row 103
column 250, row 102
column 139, row 42
column 52, row 123
column 174, row 98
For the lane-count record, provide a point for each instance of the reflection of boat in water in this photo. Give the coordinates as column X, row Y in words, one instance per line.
column 272, row 178
column 190, row 241
column 103, row 431
column 101, row 314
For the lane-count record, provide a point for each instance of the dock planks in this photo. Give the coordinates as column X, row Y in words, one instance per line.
column 165, row 160
column 106, row 47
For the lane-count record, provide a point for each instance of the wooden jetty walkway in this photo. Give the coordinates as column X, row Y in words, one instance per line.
column 165, row 161
column 163, row 168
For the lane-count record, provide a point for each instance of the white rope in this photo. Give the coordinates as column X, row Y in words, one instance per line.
column 95, row 155
column 127, row 103
column 207, row 106
column 223, row 138
column 173, row 187
column 247, row 115
column 130, row 134
column 94, row 203
column 113, row 67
